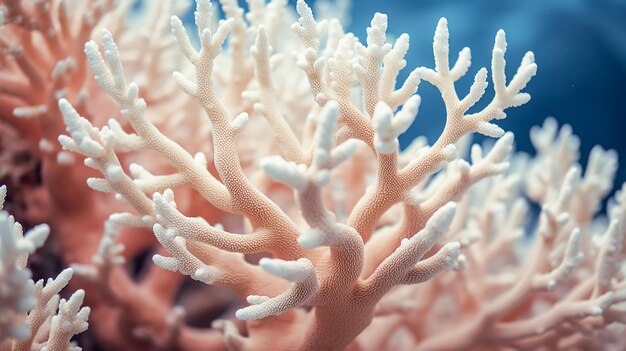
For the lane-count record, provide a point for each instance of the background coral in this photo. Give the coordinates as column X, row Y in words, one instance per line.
column 298, row 168
column 33, row 315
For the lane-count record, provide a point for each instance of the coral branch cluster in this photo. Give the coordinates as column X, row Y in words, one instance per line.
column 274, row 171
column 33, row 315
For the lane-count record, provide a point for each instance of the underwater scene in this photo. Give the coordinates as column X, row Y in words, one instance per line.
column 312, row 175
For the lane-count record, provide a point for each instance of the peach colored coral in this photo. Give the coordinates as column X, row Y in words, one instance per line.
column 273, row 170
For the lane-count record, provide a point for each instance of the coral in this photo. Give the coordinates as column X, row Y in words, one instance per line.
column 42, row 46
column 270, row 166
column 28, row 311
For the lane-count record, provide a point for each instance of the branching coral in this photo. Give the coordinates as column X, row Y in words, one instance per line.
column 283, row 182
column 28, row 311
column 42, row 48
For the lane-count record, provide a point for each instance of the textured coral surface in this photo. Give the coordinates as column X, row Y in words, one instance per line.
column 236, row 183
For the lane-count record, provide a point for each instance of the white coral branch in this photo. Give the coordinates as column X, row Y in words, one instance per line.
column 400, row 266
column 572, row 257
column 301, row 273
column 70, row 320
column 388, row 127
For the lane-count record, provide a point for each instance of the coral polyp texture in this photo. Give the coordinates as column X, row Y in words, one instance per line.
column 248, row 191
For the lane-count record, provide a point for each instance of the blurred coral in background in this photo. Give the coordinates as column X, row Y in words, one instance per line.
column 238, row 184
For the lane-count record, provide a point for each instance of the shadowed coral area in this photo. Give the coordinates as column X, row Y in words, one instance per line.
column 238, row 184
